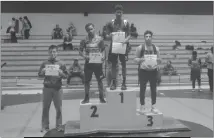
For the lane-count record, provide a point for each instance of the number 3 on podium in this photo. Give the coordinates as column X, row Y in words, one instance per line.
column 150, row 119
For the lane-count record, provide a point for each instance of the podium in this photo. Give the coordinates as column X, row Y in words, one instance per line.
column 119, row 113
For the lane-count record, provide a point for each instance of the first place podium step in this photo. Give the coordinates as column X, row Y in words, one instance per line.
column 118, row 115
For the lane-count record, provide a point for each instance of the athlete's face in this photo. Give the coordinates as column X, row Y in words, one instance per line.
column 148, row 38
column 53, row 53
column 119, row 13
column 91, row 30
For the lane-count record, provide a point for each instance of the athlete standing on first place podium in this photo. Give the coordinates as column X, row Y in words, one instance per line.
column 148, row 71
column 118, row 25
column 91, row 43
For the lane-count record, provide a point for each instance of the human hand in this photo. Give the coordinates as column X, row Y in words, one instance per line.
column 43, row 71
column 86, row 57
column 60, row 72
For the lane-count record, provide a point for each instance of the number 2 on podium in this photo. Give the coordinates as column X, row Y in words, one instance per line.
column 121, row 97
column 94, row 108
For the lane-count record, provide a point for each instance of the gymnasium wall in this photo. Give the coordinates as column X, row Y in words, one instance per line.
column 43, row 23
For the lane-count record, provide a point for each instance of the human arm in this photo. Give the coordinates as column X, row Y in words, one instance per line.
column 82, row 46
column 41, row 72
column 137, row 58
column 102, row 49
column 108, row 31
column 62, row 71
column 158, row 55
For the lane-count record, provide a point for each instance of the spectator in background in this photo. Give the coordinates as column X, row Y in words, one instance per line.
column 75, row 70
column 23, row 24
column 67, row 42
column 72, row 29
column 195, row 65
column 175, row 47
column 133, row 31
column 12, row 32
column 177, row 44
column 209, row 63
column 15, row 23
column 169, row 69
column 57, row 33
column 27, row 27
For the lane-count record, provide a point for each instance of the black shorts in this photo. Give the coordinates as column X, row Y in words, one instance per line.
column 91, row 68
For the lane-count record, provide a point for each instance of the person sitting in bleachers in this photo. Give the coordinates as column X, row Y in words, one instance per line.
column 75, row 70
column 72, row 29
column 169, row 69
column 67, row 42
column 57, row 33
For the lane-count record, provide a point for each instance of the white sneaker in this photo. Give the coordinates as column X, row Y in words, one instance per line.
column 142, row 109
column 154, row 110
column 199, row 89
column 193, row 90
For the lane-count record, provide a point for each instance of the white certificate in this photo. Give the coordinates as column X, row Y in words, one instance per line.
column 52, row 70
column 95, row 57
column 117, row 46
column 118, row 36
column 150, row 60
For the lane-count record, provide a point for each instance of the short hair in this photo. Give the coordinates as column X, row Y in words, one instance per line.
column 194, row 53
column 148, row 32
column 53, row 47
column 169, row 61
column 118, row 7
column 87, row 25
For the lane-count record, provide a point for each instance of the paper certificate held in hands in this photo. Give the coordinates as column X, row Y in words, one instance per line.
column 52, row 70
column 150, row 60
column 95, row 57
column 117, row 46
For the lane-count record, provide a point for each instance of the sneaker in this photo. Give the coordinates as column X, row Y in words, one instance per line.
column 60, row 128
column 193, row 90
column 123, row 87
column 113, row 85
column 154, row 110
column 200, row 90
column 45, row 130
column 102, row 100
column 143, row 109
column 85, row 101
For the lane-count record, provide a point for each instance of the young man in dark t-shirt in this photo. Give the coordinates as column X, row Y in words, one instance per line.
column 118, row 25
column 94, row 57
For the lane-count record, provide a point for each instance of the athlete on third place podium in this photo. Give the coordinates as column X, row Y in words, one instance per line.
column 94, row 57
column 148, row 58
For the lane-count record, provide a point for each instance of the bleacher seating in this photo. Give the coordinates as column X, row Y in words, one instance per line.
column 23, row 58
